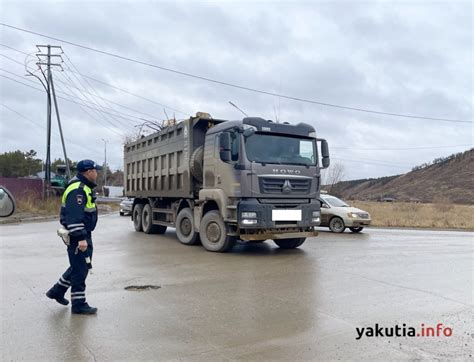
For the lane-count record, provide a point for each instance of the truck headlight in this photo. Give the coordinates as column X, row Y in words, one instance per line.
column 316, row 218
column 249, row 215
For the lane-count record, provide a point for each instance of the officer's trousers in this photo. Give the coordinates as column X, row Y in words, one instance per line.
column 75, row 276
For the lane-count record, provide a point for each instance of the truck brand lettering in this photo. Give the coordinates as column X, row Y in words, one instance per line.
column 286, row 171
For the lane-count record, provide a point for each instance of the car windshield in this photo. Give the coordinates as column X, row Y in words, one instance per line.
column 334, row 201
column 278, row 149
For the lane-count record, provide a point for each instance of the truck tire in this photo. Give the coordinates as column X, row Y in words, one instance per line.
column 336, row 224
column 137, row 217
column 147, row 222
column 213, row 233
column 357, row 229
column 195, row 163
column 289, row 243
column 185, row 230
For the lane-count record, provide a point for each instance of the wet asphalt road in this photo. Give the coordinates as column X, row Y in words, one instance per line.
column 256, row 302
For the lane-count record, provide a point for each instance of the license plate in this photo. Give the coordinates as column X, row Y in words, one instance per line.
column 286, row 215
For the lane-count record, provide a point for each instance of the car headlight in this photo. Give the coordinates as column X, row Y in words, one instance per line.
column 353, row 215
column 249, row 215
column 316, row 218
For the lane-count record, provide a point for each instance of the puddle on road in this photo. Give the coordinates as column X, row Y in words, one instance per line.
column 140, row 288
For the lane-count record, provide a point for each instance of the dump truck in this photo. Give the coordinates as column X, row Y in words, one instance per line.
column 218, row 181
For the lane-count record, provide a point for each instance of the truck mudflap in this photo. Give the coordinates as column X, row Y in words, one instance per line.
column 277, row 235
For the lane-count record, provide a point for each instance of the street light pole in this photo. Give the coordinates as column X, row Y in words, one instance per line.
column 105, row 161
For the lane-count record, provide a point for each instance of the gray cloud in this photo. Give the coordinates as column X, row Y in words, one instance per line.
column 394, row 57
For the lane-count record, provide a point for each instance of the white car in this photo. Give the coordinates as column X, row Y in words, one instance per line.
column 337, row 215
column 126, row 207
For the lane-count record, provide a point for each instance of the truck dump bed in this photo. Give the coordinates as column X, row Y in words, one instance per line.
column 162, row 165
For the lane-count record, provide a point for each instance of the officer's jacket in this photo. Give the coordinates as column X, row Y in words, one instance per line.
column 78, row 209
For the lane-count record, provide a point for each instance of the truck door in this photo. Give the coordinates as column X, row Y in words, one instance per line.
column 226, row 176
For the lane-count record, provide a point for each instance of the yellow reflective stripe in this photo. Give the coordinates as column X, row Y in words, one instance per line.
column 87, row 190
column 89, row 209
column 70, row 188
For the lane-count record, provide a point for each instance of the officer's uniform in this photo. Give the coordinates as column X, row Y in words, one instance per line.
column 79, row 217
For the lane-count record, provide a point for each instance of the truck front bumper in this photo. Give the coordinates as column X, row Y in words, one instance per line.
column 257, row 221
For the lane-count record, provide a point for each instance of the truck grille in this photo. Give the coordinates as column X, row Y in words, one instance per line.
column 284, row 186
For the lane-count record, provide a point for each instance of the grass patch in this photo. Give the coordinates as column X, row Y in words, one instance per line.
column 404, row 214
column 30, row 204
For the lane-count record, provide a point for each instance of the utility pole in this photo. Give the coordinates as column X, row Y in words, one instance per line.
column 105, row 161
column 49, row 86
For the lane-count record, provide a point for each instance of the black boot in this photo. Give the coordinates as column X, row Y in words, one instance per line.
column 83, row 309
column 53, row 294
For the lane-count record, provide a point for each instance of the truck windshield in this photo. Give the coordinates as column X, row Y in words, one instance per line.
column 278, row 149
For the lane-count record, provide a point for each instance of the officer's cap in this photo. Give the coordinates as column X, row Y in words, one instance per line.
column 84, row 165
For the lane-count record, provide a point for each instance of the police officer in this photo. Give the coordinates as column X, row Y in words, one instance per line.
column 79, row 217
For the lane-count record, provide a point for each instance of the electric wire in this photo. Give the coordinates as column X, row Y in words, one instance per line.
column 215, row 81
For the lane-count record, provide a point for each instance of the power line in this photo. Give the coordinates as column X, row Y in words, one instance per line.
column 24, row 117
column 118, row 56
column 81, row 104
column 96, row 93
column 85, row 99
column 399, row 149
column 107, row 84
column 71, row 96
column 96, row 103
column 368, row 162
column 372, row 160
column 36, row 124
column 63, row 98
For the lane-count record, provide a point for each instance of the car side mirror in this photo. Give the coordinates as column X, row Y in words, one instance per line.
column 7, row 203
column 248, row 132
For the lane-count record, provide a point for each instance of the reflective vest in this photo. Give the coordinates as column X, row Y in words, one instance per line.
column 90, row 205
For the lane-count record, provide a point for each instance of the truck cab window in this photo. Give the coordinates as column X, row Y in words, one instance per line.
column 234, row 146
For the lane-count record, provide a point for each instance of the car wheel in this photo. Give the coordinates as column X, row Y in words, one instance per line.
column 337, row 225
column 185, row 230
column 137, row 217
column 213, row 233
column 289, row 243
column 356, row 230
column 147, row 222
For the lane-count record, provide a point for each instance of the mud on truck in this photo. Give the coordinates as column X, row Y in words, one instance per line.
column 219, row 181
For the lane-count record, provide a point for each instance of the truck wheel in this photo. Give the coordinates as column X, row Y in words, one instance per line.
column 289, row 243
column 337, row 225
column 213, row 233
column 137, row 217
column 185, row 231
column 147, row 222
column 356, row 230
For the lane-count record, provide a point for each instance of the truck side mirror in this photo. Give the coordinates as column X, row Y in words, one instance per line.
column 325, row 153
column 224, row 146
column 7, row 203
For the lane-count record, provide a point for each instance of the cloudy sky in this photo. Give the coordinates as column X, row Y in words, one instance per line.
column 396, row 57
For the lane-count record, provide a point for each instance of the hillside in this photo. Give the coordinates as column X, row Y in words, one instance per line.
column 449, row 179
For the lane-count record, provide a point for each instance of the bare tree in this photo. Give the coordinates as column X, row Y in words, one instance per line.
column 331, row 176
